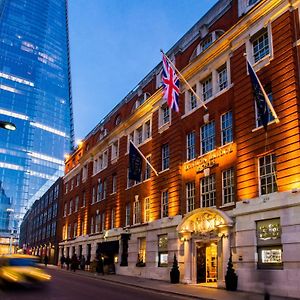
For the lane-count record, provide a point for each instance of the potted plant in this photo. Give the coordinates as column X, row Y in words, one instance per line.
column 140, row 262
column 231, row 279
column 175, row 274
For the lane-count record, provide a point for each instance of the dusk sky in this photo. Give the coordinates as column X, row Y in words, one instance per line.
column 115, row 43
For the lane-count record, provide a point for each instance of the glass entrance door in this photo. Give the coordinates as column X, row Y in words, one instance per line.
column 207, row 263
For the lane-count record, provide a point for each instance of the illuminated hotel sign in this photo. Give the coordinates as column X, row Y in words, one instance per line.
column 209, row 160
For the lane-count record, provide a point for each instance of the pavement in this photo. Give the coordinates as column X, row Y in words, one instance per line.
column 184, row 290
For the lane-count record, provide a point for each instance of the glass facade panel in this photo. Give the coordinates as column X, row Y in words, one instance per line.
column 35, row 96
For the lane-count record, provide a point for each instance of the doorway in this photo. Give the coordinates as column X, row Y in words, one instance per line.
column 207, row 266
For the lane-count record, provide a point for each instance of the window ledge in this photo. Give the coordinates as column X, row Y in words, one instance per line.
column 162, row 171
column 261, row 127
column 262, row 63
column 114, row 160
column 164, row 127
column 227, row 205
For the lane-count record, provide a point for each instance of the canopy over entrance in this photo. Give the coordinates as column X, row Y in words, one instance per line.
column 203, row 221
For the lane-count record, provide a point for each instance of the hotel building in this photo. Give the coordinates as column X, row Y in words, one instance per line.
column 224, row 185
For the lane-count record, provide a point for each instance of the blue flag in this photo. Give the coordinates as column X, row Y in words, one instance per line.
column 261, row 103
column 135, row 163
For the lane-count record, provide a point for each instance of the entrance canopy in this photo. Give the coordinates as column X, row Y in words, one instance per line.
column 204, row 220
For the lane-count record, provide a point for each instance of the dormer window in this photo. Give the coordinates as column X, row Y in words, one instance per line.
column 206, row 42
column 118, row 120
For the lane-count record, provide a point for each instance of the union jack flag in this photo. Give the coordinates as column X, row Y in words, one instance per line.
column 170, row 83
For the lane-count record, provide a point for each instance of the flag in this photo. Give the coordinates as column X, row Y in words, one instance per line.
column 259, row 97
column 135, row 163
column 170, row 83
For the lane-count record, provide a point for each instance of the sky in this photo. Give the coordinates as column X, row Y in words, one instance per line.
column 114, row 44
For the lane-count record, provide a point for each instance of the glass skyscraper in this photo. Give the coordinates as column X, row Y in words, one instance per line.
column 35, row 95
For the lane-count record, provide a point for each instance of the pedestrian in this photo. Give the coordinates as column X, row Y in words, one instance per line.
column 82, row 263
column 68, row 261
column 74, row 262
column 62, row 261
column 88, row 262
column 99, row 266
column 46, row 259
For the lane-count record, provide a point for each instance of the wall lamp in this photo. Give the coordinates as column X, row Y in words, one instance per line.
column 7, row 125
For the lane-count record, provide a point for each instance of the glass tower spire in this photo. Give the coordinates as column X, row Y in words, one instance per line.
column 35, row 95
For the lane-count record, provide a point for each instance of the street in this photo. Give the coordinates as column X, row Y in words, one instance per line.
column 67, row 285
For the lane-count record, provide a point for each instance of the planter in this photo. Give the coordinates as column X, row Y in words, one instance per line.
column 231, row 282
column 174, row 276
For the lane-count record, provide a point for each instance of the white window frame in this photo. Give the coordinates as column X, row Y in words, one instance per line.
column 222, row 84
column 272, row 175
column 127, row 214
column 226, row 128
column 147, row 130
column 207, row 88
column 114, row 183
column 228, row 185
column 147, row 174
column 136, row 212
column 164, row 204
column 165, row 159
column 164, row 119
column 210, row 193
column 209, row 139
column 147, row 210
column 190, row 189
column 190, row 147
column 115, row 150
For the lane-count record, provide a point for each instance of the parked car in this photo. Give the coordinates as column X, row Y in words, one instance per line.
column 21, row 269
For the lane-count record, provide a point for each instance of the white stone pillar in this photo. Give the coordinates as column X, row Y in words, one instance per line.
column 187, row 258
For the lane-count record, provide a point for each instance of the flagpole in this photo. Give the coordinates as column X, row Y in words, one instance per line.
column 181, row 76
column 265, row 94
column 139, row 151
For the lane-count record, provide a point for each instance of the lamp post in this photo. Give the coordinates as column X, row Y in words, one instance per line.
column 11, row 211
column 7, row 125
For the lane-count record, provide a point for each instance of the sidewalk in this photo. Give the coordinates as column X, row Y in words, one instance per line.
column 193, row 291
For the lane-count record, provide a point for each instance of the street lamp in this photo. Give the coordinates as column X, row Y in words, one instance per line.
column 7, row 125
column 10, row 210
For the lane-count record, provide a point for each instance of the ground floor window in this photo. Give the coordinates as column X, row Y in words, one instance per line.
column 269, row 248
column 163, row 250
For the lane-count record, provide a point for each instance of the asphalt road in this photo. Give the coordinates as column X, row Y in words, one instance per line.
column 67, row 285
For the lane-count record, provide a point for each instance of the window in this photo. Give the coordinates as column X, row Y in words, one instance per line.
column 228, row 186
column 165, row 114
column 147, row 210
column 142, row 250
column 77, row 179
column 65, row 209
column 130, row 138
column 251, row 2
column 104, row 189
column 70, row 206
column 103, row 221
column 83, row 199
column 127, row 215
column 208, row 191
column 207, row 137
column 115, row 150
column 206, row 88
column 192, row 99
column 56, row 191
column 269, row 247
column 260, row 45
column 164, row 204
column 165, row 157
column 190, row 145
column 147, row 130
column 84, row 172
column 222, row 77
column 99, row 190
column 76, row 203
column 69, row 231
column 163, row 250
column 148, row 168
column 190, row 196
column 136, row 212
column 114, row 183
column 75, row 230
column 93, row 194
column 100, row 162
column 270, row 115
column 206, row 42
column 72, row 184
column 139, row 135
column 97, row 223
column 267, row 174
column 112, row 218
column 226, row 128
